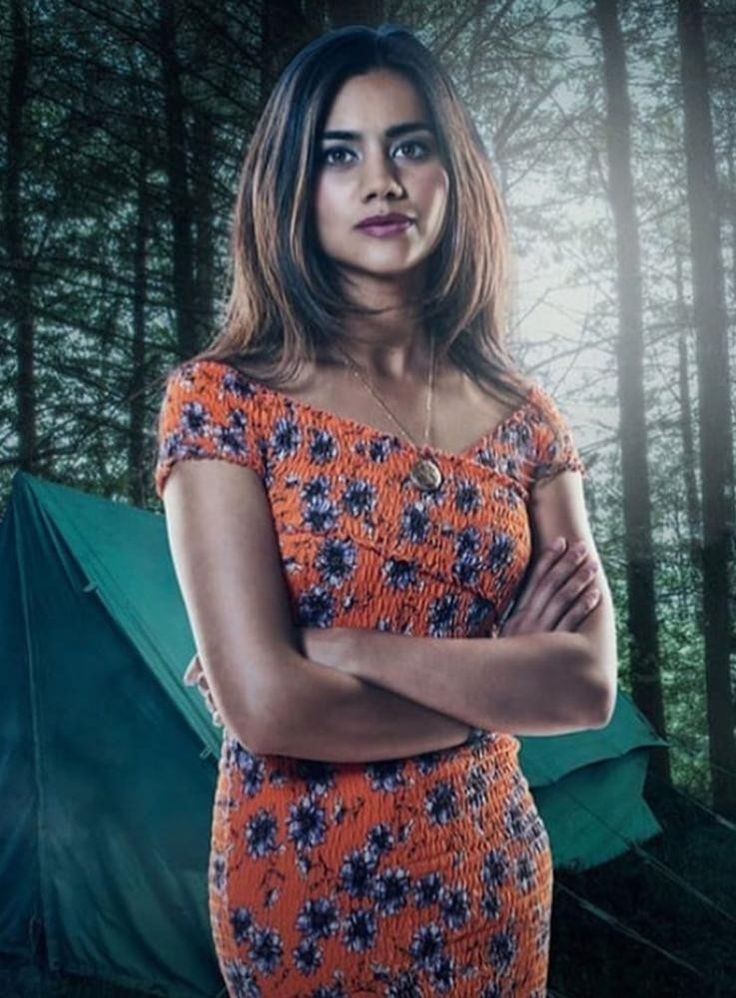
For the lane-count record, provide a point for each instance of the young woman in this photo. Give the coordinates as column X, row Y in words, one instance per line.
column 378, row 486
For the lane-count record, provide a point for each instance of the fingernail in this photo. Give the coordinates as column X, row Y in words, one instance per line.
column 559, row 544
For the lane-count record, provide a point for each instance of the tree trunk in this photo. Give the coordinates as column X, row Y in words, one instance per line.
column 203, row 217
column 646, row 686
column 689, row 462
column 369, row 12
column 137, row 464
column 179, row 198
column 285, row 28
column 21, row 308
column 714, row 409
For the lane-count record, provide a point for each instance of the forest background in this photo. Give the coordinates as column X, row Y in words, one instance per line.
column 612, row 130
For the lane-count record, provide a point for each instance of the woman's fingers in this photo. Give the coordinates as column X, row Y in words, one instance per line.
column 194, row 676
column 558, row 593
column 579, row 611
column 574, row 590
column 193, row 671
column 549, row 556
column 216, row 719
column 551, row 596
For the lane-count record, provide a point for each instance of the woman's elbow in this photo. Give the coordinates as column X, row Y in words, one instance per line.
column 601, row 694
column 603, row 705
column 253, row 712
column 601, row 675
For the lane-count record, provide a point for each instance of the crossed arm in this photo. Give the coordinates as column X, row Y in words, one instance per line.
column 542, row 683
column 339, row 697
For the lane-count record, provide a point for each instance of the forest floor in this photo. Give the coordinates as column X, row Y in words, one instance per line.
column 656, row 931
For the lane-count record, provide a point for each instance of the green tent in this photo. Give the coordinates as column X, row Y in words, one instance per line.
column 108, row 762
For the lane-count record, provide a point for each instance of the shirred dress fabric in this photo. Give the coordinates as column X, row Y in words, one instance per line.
column 411, row 877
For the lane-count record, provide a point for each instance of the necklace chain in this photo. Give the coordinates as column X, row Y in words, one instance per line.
column 430, row 391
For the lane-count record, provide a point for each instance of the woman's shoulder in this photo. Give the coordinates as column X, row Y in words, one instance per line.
column 209, row 409
column 554, row 446
column 210, row 374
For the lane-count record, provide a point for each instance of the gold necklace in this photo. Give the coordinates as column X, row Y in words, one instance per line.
column 425, row 472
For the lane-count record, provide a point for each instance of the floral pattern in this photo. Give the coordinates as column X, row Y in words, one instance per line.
column 420, row 876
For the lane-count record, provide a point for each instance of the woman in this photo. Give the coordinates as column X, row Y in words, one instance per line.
column 378, row 482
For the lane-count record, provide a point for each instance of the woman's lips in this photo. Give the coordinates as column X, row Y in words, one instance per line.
column 383, row 229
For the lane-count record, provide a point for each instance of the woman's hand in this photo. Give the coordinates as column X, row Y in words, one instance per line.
column 558, row 594
column 194, row 675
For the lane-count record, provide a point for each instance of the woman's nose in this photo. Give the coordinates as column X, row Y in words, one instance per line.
column 380, row 176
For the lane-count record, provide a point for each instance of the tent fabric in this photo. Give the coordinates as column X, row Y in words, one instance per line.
column 109, row 763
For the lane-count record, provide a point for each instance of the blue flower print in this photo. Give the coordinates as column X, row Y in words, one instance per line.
column 285, row 438
column 426, row 945
column 242, row 923
column 359, row 932
column 250, row 766
column 336, row 560
column 359, row 497
column 495, row 870
column 441, row 804
column 318, row 511
column 241, row 980
column 400, row 573
column 316, row 608
column 502, row 949
column 357, row 871
column 390, row 889
column 478, row 610
column 307, row 957
column 329, row 991
column 500, row 552
column 427, row 890
column 455, row 906
column 266, row 949
column 386, row 774
column 415, row 522
column 476, row 787
column 525, row 873
column 235, row 383
column 379, row 449
column 442, row 614
column 442, row 974
column 403, row 985
column 306, row 824
column 318, row 775
column 318, row 918
column 261, row 833
column 467, row 497
column 380, row 838
column 322, row 447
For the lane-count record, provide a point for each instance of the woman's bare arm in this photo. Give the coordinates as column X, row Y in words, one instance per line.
column 530, row 684
column 269, row 695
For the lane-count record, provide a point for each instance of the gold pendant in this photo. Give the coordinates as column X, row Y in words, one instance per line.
column 426, row 475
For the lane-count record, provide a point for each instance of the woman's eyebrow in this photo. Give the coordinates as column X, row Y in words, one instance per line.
column 390, row 133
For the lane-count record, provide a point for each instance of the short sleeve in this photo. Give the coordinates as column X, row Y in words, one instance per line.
column 554, row 446
column 208, row 411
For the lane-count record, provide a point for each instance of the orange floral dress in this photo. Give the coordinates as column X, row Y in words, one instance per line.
column 410, row 877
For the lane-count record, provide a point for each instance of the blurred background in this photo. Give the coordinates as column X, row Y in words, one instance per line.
column 611, row 125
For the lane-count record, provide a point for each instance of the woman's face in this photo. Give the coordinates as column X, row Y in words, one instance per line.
column 382, row 167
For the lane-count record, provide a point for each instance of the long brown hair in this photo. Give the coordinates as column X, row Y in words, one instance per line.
column 286, row 298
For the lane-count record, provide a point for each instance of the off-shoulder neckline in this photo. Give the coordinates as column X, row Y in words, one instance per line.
column 366, row 429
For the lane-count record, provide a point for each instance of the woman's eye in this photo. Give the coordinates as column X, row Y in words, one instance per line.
column 326, row 153
column 417, row 145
